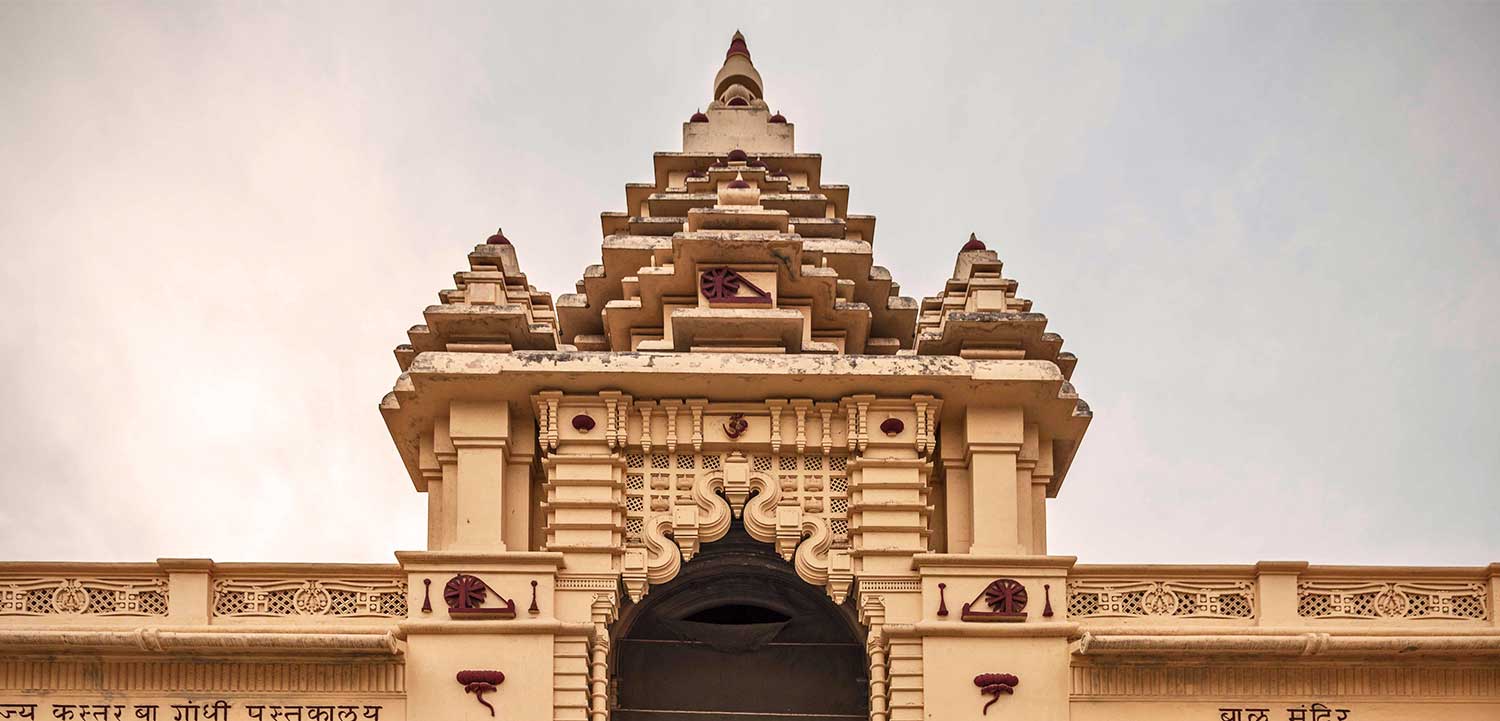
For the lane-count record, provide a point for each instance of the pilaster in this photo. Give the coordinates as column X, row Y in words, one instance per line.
column 888, row 509
column 994, row 439
column 1276, row 590
column 190, row 588
column 480, row 431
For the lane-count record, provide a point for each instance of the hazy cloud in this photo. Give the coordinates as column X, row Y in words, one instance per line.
column 1270, row 232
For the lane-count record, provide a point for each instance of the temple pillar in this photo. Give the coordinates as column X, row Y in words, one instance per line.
column 1041, row 479
column 480, row 434
column 585, row 506
column 994, row 437
column 888, row 508
column 432, row 475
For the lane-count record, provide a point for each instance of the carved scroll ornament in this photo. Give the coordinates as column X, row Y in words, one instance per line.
column 803, row 514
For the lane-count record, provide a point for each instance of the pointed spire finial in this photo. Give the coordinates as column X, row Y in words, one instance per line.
column 737, row 46
column 498, row 238
column 974, row 243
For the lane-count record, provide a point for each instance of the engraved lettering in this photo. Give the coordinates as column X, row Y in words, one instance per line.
column 17, row 710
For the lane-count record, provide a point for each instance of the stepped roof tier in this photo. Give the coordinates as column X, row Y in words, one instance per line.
column 737, row 246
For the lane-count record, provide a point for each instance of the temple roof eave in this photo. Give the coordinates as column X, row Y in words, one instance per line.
column 436, row 378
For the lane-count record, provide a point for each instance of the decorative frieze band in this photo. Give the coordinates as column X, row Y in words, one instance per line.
column 310, row 597
column 1100, row 598
column 201, row 675
column 144, row 596
column 776, row 424
column 1397, row 600
column 1163, row 682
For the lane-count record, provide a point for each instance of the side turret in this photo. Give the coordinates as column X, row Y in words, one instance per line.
column 490, row 309
column 979, row 316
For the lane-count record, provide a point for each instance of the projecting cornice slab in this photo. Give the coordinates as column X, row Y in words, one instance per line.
column 436, row 379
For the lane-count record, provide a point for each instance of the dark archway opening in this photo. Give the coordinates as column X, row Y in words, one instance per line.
column 738, row 636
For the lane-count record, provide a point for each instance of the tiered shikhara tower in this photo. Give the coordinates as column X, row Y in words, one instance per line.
column 737, row 471
column 737, row 355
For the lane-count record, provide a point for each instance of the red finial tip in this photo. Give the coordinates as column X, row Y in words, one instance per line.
column 737, row 47
column 498, row 239
column 974, row 243
column 698, row 117
column 778, row 118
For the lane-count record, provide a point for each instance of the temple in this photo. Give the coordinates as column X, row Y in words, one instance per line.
column 738, row 475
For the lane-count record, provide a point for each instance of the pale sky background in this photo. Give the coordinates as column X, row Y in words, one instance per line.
column 1271, row 233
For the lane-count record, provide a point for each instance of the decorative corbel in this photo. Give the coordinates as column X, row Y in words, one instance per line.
column 737, row 482
column 611, row 418
column 800, row 407
column 553, row 398
column 645, row 408
column 931, row 424
column 695, row 405
column 921, row 429
column 670, row 408
column 623, row 431
column 547, row 418
column 788, row 530
column 861, row 420
column 633, row 573
column 840, row 574
column 685, row 530
column 825, row 411
column 775, row 405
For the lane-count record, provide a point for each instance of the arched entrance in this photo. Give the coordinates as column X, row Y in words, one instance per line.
column 737, row 636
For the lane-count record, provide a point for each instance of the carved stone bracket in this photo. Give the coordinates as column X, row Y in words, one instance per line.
column 692, row 466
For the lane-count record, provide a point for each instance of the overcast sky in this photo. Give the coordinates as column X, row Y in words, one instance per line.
column 1271, row 233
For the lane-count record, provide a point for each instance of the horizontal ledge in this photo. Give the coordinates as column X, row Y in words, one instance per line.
column 550, row 627
column 1306, row 571
column 1303, row 644
column 497, row 558
column 153, row 640
column 929, row 368
column 1190, row 629
column 965, row 560
column 1044, row 629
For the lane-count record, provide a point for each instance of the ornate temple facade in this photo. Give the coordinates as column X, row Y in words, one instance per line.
column 738, row 476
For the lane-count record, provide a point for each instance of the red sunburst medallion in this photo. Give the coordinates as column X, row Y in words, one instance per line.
column 719, row 284
column 464, row 591
column 1005, row 596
